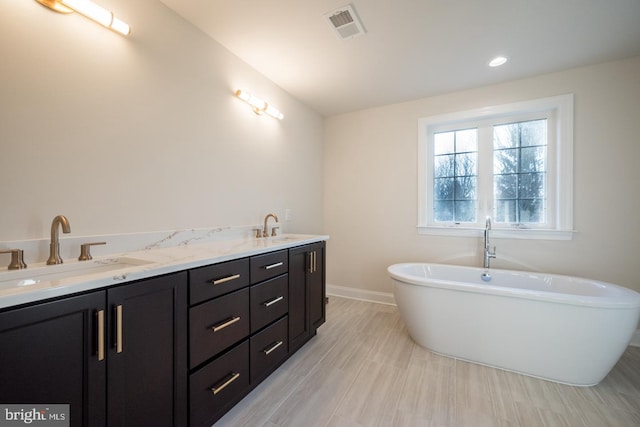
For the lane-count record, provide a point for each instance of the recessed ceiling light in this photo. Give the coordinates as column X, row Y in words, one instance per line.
column 498, row 61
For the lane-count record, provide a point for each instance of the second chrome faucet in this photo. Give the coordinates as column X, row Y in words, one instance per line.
column 488, row 253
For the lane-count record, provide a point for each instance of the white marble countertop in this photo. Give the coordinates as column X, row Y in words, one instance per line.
column 40, row 281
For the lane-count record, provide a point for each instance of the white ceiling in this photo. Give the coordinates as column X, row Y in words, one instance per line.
column 413, row 48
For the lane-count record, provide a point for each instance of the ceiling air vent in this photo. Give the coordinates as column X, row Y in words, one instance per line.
column 345, row 23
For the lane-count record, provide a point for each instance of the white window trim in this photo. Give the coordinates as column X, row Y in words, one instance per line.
column 563, row 169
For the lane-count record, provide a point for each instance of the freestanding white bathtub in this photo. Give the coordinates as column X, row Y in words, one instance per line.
column 558, row 328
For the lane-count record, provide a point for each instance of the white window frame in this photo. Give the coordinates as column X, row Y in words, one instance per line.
column 559, row 112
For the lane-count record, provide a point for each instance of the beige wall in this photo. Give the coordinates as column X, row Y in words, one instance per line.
column 142, row 133
column 370, row 172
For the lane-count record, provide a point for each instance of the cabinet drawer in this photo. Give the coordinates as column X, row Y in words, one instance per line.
column 217, row 324
column 218, row 279
column 268, row 349
column 269, row 265
column 269, row 301
column 217, row 385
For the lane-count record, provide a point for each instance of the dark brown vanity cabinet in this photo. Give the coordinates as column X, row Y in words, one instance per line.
column 237, row 336
column 173, row 350
column 307, row 292
column 117, row 356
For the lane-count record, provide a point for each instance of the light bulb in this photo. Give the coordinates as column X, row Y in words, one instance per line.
column 498, row 61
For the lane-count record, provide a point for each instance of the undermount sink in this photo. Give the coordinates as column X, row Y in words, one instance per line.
column 48, row 273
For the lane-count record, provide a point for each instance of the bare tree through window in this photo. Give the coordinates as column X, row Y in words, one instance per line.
column 455, row 176
column 520, row 172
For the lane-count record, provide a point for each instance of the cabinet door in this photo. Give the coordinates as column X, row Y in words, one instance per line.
column 147, row 352
column 316, row 284
column 298, row 319
column 306, row 292
column 48, row 354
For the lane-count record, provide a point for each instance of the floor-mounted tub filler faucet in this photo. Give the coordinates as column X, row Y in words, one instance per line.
column 488, row 253
column 54, row 246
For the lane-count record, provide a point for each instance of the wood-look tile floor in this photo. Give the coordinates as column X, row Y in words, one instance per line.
column 362, row 369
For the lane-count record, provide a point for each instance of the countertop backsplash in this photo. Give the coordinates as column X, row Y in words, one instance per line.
column 130, row 257
column 37, row 250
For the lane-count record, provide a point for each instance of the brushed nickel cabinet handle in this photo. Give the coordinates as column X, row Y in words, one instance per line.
column 225, row 279
column 100, row 318
column 273, row 347
column 315, row 259
column 277, row 264
column 231, row 378
column 273, row 301
column 119, row 338
column 312, row 261
column 226, row 323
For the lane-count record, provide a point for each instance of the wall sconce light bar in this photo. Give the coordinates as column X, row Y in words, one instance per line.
column 90, row 10
column 258, row 105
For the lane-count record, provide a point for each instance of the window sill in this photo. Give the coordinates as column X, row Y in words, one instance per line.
column 498, row 233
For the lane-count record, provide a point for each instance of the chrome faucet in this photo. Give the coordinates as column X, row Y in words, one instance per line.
column 265, row 231
column 488, row 253
column 54, row 246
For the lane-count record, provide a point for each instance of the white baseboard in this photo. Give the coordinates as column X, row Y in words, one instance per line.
column 361, row 294
column 635, row 341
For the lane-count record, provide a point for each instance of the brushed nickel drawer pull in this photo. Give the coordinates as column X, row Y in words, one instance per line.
column 273, row 347
column 232, row 377
column 100, row 317
column 273, row 301
column 119, row 329
column 277, row 264
column 225, row 279
column 226, row 323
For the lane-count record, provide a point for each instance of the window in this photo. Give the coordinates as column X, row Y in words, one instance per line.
column 511, row 162
column 455, row 175
column 519, row 173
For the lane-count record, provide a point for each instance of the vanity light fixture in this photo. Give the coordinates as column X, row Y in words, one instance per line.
column 498, row 61
column 90, row 10
column 258, row 105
